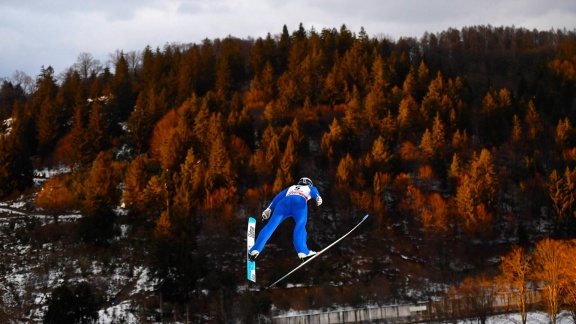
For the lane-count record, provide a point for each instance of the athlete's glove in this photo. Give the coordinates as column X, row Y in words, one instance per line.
column 266, row 214
column 318, row 201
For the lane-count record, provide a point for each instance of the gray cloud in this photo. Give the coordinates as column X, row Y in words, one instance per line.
column 41, row 32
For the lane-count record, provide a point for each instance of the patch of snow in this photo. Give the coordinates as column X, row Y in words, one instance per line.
column 121, row 313
column 531, row 318
column 143, row 283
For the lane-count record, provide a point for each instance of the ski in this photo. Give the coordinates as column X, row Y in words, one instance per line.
column 250, row 237
column 317, row 254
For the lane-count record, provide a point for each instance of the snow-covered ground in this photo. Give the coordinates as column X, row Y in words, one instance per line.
column 30, row 272
column 532, row 318
column 117, row 314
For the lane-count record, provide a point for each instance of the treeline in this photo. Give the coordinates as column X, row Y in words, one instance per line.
column 461, row 134
column 541, row 278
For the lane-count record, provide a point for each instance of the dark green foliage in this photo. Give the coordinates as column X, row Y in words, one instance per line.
column 97, row 226
column 122, row 91
column 9, row 94
column 15, row 155
column 77, row 304
column 177, row 266
column 254, row 305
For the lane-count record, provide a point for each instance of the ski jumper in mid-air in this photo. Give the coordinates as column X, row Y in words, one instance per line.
column 292, row 201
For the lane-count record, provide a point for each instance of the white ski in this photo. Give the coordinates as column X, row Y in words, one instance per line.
column 250, row 237
column 317, row 254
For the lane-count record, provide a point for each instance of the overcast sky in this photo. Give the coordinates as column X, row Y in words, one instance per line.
column 36, row 33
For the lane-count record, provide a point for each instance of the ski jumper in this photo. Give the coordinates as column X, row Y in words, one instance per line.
column 291, row 201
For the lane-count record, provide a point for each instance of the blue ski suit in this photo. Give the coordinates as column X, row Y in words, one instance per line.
column 291, row 201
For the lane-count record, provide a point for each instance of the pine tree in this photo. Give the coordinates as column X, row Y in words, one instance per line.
column 284, row 47
column 10, row 94
column 438, row 136
column 135, row 180
column 55, row 198
column 47, row 115
column 201, row 126
column 49, row 126
column 102, row 187
column 410, row 85
column 188, row 76
column 207, row 67
column 187, row 196
column 562, row 193
column 460, row 141
column 345, row 171
column 380, row 156
column 516, row 135
column 122, row 91
column 98, row 129
column 466, row 202
column 408, row 116
column 102, row 196
column 484, row 178
column 563, row 134
column 288, row 163
column 15, row 165
column 533, row 123
column 335, row 90
column 262, row 89
column 375, row 101
column 423, row 79
column 427, row 145
column 331, row 144
column 454, row 172
column 432, row 102
column 224, row 80
column 353, row 115
column 81, row 145
column 220, row 172
column 140, row 122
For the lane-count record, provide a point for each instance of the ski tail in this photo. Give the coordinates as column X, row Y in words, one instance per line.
column 317, row 254
column 250, row 238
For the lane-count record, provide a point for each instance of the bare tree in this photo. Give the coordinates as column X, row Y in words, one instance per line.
column 515, row 269
column 25, row 81
column 571, row 275
column 550, row 272
column 86, row 65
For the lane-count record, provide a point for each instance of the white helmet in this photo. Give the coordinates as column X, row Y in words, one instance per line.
column 305, row 181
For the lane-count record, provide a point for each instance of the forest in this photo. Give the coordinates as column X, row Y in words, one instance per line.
column 459, row 145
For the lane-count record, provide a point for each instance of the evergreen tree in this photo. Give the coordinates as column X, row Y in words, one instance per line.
column 380, row 156
column 135, row 180
column 220, row 172
column 9, row 95
column 207, row 68
column 102, row 196
column 122, row 101
column 16, row 173
column 332, row 141
column 77, row 305
column 408, row 116
column 49, row 126
column 427, row 145
column 44, row 110
column 287, row 169
column 284, row 48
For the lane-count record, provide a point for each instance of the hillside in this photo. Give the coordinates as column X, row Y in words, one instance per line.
column 131, row 187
